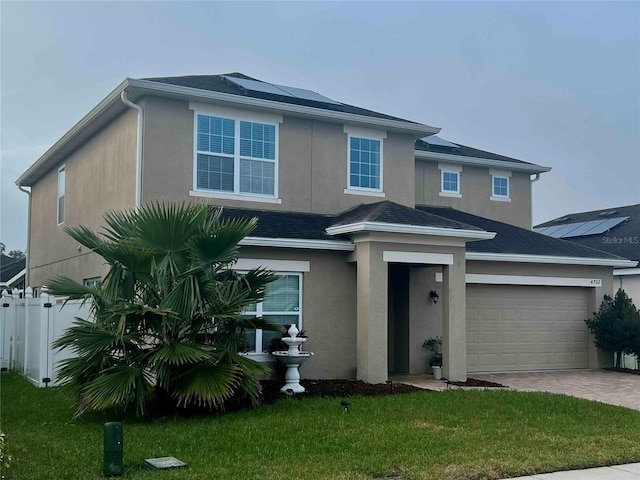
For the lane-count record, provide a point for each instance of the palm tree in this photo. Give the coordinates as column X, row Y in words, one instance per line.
column 168, row 316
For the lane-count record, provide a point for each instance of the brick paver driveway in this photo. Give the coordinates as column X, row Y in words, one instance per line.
column 615, row 388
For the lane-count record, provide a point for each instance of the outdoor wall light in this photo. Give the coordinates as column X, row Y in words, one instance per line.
column 434, row 296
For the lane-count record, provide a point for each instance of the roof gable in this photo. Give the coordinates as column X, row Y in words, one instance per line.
column 393, row 213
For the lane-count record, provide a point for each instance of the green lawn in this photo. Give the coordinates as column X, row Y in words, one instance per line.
column 449, row 435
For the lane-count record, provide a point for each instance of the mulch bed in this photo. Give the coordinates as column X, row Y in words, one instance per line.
column 474, row 382
column 336, row 389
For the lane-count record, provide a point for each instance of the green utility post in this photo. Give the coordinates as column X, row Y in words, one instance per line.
column 113, row 449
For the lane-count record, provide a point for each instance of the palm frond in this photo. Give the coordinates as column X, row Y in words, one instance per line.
column 121, row 385
column 179, row 353
column 208, row 385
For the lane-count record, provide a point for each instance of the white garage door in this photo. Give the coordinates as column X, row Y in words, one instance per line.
column 516, row 328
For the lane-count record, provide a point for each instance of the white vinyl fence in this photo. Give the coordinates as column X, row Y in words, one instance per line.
column 28, row 327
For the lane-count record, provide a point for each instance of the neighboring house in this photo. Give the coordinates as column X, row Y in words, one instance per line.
column 363, row 214
column 612, row 230
column 12, row 272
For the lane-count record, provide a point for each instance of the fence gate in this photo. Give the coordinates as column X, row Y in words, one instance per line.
column 29, row 326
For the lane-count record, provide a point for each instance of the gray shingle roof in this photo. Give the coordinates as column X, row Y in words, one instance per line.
column 622, row 240
column 10, row 267
column 509, row 239
column 464, row 151
column 218, row 83
column 390, row 212
column 515, row 240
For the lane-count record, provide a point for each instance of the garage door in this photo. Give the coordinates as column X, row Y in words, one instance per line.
column 516, row 328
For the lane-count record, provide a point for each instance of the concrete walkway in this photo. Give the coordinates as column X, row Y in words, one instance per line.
column 614, row 388
column 630, row 471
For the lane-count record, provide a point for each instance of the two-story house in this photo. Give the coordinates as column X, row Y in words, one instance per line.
column 384, row 233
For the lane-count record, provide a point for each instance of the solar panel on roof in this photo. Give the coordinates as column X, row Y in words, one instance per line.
column 566, row 229
column 608, row 225
column 281, row 90
column 553, row 228
column 580, row 229
column 441, row 142
column 583, row 229
column 306, row 94
column 596, row 227
column 257, row 86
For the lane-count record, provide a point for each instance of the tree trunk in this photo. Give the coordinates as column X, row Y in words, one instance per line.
column 618, row 359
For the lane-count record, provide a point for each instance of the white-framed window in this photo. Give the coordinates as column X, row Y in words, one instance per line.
column 282, row 305
column 500, row 188
column 236, row 154
column 92, row 282
column 61, row 192
column 365, row 161
column 450, row 180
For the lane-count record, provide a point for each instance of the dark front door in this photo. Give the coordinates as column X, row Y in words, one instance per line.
column 398, row 318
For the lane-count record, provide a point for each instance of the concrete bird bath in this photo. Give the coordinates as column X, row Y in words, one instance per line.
column 293, row 358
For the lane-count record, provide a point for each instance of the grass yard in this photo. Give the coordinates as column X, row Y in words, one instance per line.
column 449, row 435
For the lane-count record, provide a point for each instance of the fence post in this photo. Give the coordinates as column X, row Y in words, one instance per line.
column 15, row 296
column 28, row 294
column 45, row 336
column 5, row 318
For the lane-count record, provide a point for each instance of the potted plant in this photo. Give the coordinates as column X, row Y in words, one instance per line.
column 434, row 345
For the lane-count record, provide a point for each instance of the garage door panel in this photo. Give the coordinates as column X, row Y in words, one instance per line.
column 515, row 328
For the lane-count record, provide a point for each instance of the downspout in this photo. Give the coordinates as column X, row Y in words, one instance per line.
column 533, row 180
column 28, row 251
column 129, row 103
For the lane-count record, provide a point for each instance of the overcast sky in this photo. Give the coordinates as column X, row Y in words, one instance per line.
column 546, row 82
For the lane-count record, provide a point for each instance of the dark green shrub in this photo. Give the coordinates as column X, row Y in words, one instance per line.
column 616, row 326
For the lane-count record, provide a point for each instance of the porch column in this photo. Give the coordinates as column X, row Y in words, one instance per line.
column 372, row 365
column 454, row 320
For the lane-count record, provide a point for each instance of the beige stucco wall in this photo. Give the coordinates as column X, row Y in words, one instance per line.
column 100, row 176
column 312, row 162
column 476, row 190
column 630, row 284
column 328, row 309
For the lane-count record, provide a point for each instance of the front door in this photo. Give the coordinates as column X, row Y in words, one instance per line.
column 398, row 318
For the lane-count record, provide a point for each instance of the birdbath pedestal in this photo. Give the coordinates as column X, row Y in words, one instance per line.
column 293, row 358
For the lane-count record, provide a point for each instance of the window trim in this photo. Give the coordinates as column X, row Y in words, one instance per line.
column 92, row 281
column 62, row 168
column 504, row 175
column 457, row 170
column 367, row 134
column 238, row 116
column 259, row 313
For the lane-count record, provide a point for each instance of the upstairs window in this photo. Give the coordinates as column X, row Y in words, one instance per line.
column 61, row 191
column 450, row 180
column 281, row 305
column 236, row 156
column 365, row 164
column 500, row 185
